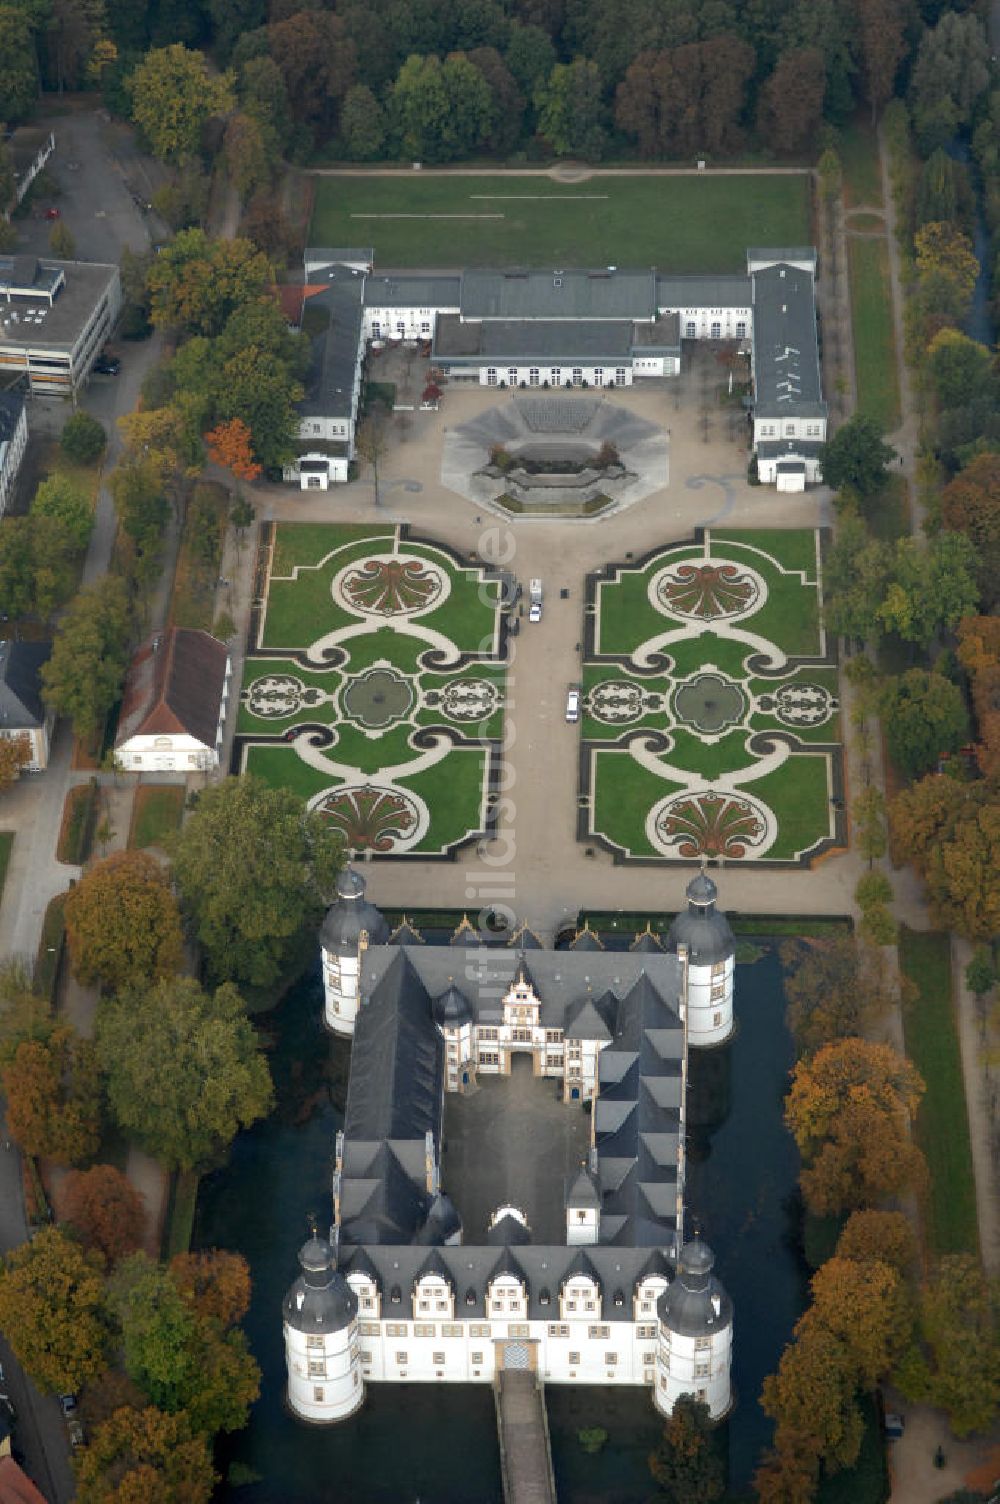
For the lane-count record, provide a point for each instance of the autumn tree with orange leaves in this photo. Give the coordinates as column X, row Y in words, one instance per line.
column 104, row 1211
column 848, row 1110
column 229, row 445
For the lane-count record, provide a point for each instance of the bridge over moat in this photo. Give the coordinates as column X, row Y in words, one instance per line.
column 525, row 1454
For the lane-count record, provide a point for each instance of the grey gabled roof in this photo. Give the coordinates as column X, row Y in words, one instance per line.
column 581, row 1189
column 703, row 292
column 333, row 320
column 785, row 344
column 397, row 1058
column 523, row 341
column 558, row 294
column 21, row 707
column 411, row 290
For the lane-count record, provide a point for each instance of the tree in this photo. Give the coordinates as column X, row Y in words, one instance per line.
column 884, row 1236
column 830, row 173
column 869, row 823
column 530, row 56
column 924, row 719
column 122, row 923
column 253, row 867
column 241, row 514
column 811, row 1399
column 249, row 163
column 686, row 1464
column 180, row 1359
column 53, row 1094
column 229, row 445
column 970, row 504
column 363, row 124
column 184, row 1068
column 196, row 283
column 62, row 242
column 318, row 63
column 950, row 831
column 143, row 512
column 857, row 457
column 372, row 440
column 214, row 1284
column 60, row 497
column 864, row 1304
column 83, row 439
column 790, row 106
column 980, row 974
column 944, row 191
column 173, row 97
column 82, row 678
column 441, row 110
column 947, row 270
column 882, row 48
column 979, row 654
column 15, row 752
column 834, row 988
column 957, row 1366
column 104, row 1211
column 52, row 1312
column 951, row 71
column 570, row 110
column 848, row 1109
column 261, row 392
column 18, row 64
column 930, row 587
column 855, row 579
column 960, row 368
column 145, row 1454
column 37, row 566
column 507, row 101
column 23, row 1014
column 264, row 97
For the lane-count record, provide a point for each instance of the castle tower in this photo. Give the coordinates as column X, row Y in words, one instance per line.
column 696, row 1335
column 711, row 950
column 351, row 922
column 320, row 1324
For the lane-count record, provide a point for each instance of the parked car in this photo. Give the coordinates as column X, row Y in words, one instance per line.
column 67, row 1403
column 573, row 703
column 106, row 365
column 76, row 1436
column 52, row 213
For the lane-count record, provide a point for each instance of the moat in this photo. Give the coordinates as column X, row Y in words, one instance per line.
column 438, row 1443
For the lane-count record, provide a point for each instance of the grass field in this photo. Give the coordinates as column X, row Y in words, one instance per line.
column 874, row 338
column 942, row 1127
column 156, row 814
column 679, row 224
column 858, row 150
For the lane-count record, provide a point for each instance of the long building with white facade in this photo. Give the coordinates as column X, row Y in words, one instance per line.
column 605, row 327
column 579, row 1268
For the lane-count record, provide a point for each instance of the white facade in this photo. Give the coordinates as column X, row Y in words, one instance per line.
column 769, row 466
column 175, row 751
column 403, row 323
column 324, row 1374
column 11, row 455
column 428, row 1339
column 714, row 323
column 553, row 376
column 694, row 1365
column 340, row 989
column 710, row 1002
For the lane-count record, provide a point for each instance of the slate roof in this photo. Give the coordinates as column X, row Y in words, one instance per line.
column 174, row 687
column 410, row 290
column 801, row 448
column 560, row 294
column 320, row 1300
column 524, row 340
column 785, row 345
column 349, row 914
column 21, row 707
column 702, row 927
column 396, row 1093
column 332, row 317
column 696, row 1304
column 703, row 292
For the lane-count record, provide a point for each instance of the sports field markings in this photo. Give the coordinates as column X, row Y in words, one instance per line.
column 540, row 198
column 428, row 216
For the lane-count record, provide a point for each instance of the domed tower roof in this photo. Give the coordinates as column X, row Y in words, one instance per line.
column 320, row 1301
column 451, row 1008
column 349, row 914
column 695, row 1304
column 702, row 928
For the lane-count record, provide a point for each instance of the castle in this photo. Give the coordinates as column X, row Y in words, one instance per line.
column 480, row 1223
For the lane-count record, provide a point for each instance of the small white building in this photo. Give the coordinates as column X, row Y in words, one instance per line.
column 13, row 442
column 24, row 716
column 174, row 704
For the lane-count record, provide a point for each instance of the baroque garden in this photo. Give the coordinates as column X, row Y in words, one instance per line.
column 710, row 728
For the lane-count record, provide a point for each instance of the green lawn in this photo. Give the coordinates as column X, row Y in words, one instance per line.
column 309, row 542
column 942, row 1122
column 794, row 548
column 858, row 151
column 874, row 338
column 6, row 847
column 156, row 814
column 798, row 794
column 453, row 792
column 678, row 224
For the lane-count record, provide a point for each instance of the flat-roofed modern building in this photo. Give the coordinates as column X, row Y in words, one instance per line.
column 54, row 318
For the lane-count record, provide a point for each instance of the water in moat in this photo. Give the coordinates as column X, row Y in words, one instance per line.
column 438, row 1444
